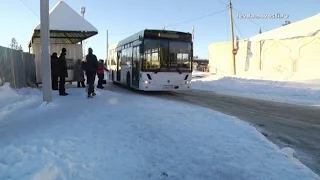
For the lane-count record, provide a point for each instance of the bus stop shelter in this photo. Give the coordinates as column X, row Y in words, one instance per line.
column 67, row 30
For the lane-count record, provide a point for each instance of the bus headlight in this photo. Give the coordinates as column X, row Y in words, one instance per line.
column 188, row 82
column 146, row 82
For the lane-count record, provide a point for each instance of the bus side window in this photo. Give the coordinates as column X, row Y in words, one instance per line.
column 123, row 57
column 129, row 56
column 138, row 58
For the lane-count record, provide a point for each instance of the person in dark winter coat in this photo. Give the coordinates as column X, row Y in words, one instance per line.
column 63, row 72
column 91, row 66
column 79, row 73
column 100, row 73
column 54, row 71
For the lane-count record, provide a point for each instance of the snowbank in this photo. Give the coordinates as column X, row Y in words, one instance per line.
column 129, row 136
column 274, row 76
column 16, row 101
column 299, row 92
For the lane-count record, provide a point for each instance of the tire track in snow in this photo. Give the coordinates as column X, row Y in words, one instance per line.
column 286, row 125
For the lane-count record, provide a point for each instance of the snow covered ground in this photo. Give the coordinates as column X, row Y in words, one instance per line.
column 129, row 136
column 288, row 89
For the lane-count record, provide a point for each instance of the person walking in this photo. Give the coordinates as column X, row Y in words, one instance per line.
column 63, row 72
column 100, row 73
column 91, row 66
column 54, row 71
column 79, row 74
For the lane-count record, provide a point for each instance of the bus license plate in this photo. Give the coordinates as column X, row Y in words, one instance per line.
column 167, row 87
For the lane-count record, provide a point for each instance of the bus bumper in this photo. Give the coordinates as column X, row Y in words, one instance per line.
column 151, row 87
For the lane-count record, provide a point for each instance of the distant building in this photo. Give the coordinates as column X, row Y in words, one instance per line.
column 201, row 64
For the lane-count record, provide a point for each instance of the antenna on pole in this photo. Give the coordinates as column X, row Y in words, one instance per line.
column 82, row 10
column 232, row 39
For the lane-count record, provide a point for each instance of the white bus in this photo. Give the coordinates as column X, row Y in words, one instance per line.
column 153, row 60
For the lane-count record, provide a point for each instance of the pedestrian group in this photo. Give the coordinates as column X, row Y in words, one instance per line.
column 89, row 66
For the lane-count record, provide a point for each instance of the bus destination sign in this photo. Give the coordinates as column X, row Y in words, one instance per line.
column 166, row 35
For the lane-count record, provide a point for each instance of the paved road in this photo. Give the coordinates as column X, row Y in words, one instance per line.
column 286, row 125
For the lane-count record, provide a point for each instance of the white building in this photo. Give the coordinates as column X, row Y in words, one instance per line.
column 288, row 50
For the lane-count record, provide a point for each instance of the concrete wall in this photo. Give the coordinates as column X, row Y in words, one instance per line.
column 296, row 56
column 220, row 57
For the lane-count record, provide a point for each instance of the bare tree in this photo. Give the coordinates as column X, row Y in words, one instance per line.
column 15, row 45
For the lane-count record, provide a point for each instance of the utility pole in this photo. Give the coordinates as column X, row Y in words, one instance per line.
column 232, row 38
column 45, row 43
column 192, row 33
column 107, row 48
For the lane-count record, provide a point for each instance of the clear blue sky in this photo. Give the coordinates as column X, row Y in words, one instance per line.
column 125, row 17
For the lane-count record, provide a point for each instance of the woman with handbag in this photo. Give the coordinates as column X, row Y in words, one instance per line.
column 100, row 73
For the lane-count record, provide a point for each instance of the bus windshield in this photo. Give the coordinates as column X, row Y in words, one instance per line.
column 164, row 55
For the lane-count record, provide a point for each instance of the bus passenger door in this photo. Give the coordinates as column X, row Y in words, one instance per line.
column 119, row 66
column 135, row 69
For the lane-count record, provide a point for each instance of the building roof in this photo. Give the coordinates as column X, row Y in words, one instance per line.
column 306, row 27
column 66, row 26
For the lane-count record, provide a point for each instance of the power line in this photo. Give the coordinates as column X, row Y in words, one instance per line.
column 222, row 2
column 30, row 8
column 183, row 22
column 238, row 29
column 251, row 20
column 201, row 17
column 241, row 13
column 119, row 34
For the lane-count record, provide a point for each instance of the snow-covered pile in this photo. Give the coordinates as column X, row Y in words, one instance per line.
column 303, row 92
column 204, row 76
column 16, row 101
column 275, row 76
column 129, row 136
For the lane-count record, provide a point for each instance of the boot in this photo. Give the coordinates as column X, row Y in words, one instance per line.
column 63, row 94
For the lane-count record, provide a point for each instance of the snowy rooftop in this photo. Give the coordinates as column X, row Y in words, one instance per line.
column 305, row 27
column 66, row 26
